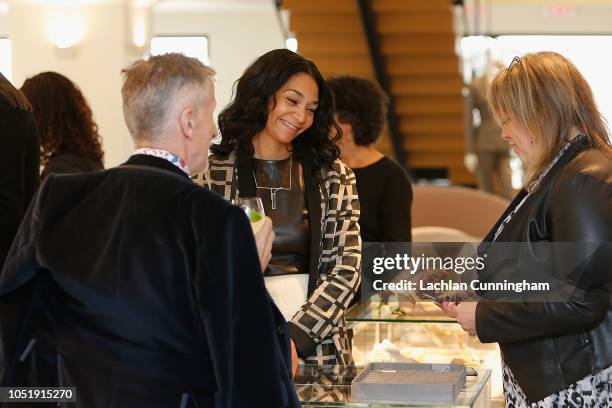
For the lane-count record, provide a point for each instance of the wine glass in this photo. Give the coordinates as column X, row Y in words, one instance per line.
column 254, row 209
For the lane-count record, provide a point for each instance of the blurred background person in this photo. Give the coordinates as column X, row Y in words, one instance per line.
column 20, row 161
column 486, row 153
column 69, row 137
column 385, row 193
column 276, row 145
column 554, row 352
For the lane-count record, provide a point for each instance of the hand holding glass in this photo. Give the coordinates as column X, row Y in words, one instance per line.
column 254, row 209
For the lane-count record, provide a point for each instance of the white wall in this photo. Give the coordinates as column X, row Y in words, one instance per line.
column 3, row 24
column 534, row 19
column 541, row 17
column 238, row 32
column 236, row 38
column 94, row 64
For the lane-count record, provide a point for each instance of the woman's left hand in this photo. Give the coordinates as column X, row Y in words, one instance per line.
column 464, row 312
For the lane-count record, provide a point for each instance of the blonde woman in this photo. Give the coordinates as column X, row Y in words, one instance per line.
column 555, row 353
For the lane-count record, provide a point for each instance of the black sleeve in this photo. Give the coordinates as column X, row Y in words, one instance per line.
column 237, row 313
column 582, row 215
column 16, row 288
column 396, row 207
column 18, row 172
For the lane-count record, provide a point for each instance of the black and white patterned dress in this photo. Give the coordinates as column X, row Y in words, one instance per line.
column 593, row 391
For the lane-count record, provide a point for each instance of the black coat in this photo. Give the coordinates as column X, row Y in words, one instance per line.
column 549, row 345
column 146, row 290
column 19, row 170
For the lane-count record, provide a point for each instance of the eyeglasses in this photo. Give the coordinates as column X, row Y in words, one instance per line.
column 515, row 60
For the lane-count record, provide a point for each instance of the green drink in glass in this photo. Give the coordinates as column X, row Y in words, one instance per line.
column 254, row 209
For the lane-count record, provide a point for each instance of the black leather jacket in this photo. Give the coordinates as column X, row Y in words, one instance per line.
column 550, row 345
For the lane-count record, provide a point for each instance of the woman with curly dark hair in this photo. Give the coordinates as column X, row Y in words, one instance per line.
column 276, row 145
column 385, row 193
column 69, row 137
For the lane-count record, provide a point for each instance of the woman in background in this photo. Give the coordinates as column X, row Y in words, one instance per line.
column 69, row 137
column 275, row 144
column 20, row 157
column 385, row 194
column 556, row 348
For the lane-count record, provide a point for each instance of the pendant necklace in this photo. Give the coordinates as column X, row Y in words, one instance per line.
column 274, row 190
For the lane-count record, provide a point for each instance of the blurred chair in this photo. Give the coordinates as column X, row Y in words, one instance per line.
column 467, row 211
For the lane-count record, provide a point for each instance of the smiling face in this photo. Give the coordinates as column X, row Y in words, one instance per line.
column 291, row 111
column 520, row 140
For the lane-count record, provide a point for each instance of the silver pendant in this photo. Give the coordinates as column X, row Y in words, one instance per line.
column 273, row 198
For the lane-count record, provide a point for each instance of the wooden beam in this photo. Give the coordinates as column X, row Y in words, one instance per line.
column 319, row 6
column 427, row 86
column 423, row 66
column 460, row 175
column 436, row 125
column 438, row 159
column 338, row 44
column 411, row 5
column 427, row 143
column 418, row 44
column 427, row 104
column 426, row 22
column 345, row 23
column 343, row 64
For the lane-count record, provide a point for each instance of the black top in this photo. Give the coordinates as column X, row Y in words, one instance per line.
column 385, row 196
column 69, row 163
column 290, row 215
column 19, row 170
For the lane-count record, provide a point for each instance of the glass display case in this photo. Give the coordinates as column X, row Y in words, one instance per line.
column 419, row 332
column 330, row 386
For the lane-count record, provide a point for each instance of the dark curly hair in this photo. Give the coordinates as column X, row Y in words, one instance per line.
column 362, row 104
column 247, row 114
column 65, row 121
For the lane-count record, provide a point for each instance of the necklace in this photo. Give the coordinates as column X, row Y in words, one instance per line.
column 274, row 190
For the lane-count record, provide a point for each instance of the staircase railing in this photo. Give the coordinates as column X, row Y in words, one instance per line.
column 380, row 71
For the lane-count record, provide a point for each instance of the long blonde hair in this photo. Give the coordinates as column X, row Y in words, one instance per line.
column 547, row 95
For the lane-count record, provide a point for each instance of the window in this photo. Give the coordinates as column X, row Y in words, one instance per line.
column 196, row 47
column 291, row 43
column 591, row 54
column 6, row 58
